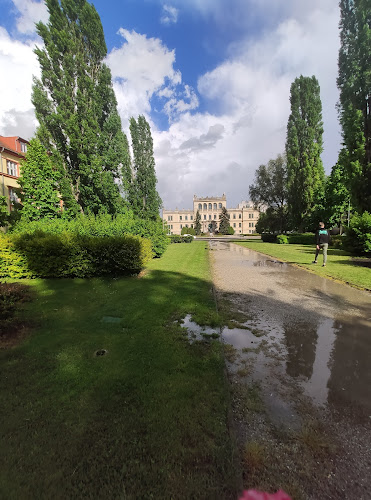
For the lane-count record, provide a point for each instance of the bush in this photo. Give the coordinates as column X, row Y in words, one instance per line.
column 188, row 230
column 71, row 255
column 358, row 237
column 269, row 237
column 101, row 225
column 175, row 238
column 337, row 241
column 230, row 230
column 301, row 238
column 282, row 239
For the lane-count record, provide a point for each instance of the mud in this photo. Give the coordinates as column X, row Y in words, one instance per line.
column 306, row 345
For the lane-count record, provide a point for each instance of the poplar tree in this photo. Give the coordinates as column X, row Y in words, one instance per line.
column 39, row 184
column 224, row 221
column 77, row 109
column 198, row 223
column 354, row 83
column 143, row 196
column 304, row 145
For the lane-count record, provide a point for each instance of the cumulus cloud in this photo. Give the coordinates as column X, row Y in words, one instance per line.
column 16, row 111
column 169, row 14
column 29, row 13
column 249, row 93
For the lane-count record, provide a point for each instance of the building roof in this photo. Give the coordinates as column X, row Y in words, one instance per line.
column 12, row 144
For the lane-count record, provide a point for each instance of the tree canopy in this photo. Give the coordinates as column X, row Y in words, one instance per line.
column 224, row 221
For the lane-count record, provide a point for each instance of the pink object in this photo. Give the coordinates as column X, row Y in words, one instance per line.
column 262, row 495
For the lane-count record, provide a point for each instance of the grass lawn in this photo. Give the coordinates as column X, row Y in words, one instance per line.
column 340, row 265
column 147, row 420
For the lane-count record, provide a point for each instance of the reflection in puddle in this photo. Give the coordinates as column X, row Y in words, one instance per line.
column 197, row 332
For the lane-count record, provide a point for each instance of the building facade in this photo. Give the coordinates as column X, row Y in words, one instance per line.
column 243, row 219
column 12, row 151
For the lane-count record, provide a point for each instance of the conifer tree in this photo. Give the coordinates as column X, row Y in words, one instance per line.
column 39, row 184
column 143, row 196
column 224, row 221
column 77, row 110
column 198, row 223
column 304, row 146
column 354, row 82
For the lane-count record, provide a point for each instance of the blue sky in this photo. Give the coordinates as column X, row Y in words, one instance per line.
column 211, row 76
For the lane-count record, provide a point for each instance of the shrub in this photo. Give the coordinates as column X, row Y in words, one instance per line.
column 230, row 230
column 301, row 239
column 358, row 237
column 188, row 230
column 269, row 237
column 282, row 239
column 337, row 241
column 101, row 225
column 71, row 255
column 175, row 238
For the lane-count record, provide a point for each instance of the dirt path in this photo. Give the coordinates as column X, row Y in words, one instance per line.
column 300, row 366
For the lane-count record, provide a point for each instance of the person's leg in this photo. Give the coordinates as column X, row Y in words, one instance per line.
column 324, row 248
column 315, row 258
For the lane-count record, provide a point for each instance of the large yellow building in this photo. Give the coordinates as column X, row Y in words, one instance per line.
column 243, row 219
column 12, row 151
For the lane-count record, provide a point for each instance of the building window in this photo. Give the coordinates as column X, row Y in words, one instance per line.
column 200, row 206
column 234, row 216
column 171, row 227
column 239, row 224
column 169, row 217
column 180, row 217
column 12, row 196
column 23, row 147
column 234, row 224
column 214, row 216
column 204, row 217
column 11, row 168
column 220, row 205
column 181, row 227
column 205, row 206
column 215, row 206
column 191, row 217
column 210, row 206
column 210, row 217
column 186, row 217
column 240, row 216
column 251, row 216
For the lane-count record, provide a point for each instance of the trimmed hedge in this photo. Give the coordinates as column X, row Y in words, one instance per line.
column 101, row 225
column 301, row 238
column 71, row 255
column 269, row 237
column 175, row 238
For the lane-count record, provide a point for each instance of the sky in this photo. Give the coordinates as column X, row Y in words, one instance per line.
column 212, row 77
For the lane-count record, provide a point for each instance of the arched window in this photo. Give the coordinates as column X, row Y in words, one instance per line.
column 220, row 205
column 210, row 206
column 200, row 206
column 205, row 206
column 215, row 206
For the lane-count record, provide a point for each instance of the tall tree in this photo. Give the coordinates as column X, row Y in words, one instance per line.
column 337, row 196
column 269, row 190
column 354, row 82
column 198, row 223
column 143, row 196
column 39, row 184
column 224, row 221
column 304, row 145
column 77, row 110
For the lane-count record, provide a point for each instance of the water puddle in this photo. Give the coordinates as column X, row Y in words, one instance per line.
column 196, row 332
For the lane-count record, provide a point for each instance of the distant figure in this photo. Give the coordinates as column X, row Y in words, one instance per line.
column 322, row 241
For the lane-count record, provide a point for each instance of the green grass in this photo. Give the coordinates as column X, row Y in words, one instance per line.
column 340, row 265
column 147, row 420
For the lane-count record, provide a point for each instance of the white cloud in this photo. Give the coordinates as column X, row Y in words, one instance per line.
column 30, row 12
column 169, row 14
column 16, row 111
column 250, row 91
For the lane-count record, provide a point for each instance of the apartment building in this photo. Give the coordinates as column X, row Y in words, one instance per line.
column 12, row 151
column 243, row 219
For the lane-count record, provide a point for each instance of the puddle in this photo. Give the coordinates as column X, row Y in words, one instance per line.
column 196, row 332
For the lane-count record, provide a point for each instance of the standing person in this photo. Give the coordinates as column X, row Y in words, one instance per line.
column 322, row 241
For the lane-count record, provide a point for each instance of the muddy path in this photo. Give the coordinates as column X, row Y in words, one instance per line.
column 299, row 362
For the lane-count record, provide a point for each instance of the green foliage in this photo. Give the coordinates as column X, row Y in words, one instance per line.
column 198, row 223
column 175, row 238
column 4, row 213
column 224, row 224
column 188, row 230
column 337, row 196
column 358, row 236
column 337, row 241
column 72, row 255
column 230, row 230
column 38, row 181
column 282, row 239
column 143, row 196
column 304, row 145
column 101, row 225
column 301, row 238
column 77, row 110
column 354, row 83
column 269, row 237
column 270, row 191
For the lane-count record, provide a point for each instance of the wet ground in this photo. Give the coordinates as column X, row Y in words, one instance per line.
column 302, row 345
